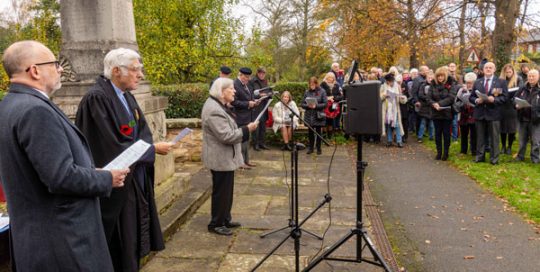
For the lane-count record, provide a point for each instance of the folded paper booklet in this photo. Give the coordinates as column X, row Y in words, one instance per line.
column 513, row 89
column 129, row 156
column 481, row 95
column 4, row 222
column 311, row 101
column 181, row 135
column 521, row 103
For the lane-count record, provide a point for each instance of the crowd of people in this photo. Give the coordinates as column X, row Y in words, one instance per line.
column 483, row 109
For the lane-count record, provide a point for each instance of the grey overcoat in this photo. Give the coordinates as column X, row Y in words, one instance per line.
column 51, row 187
column 221, row 150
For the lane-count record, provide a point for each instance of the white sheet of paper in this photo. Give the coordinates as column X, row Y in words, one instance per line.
column 513, row 89
column 444, row 108
column 264, row 110
column 481, row 95
column 129, row 156
column 181, row 135
column 521, row 103
column 4, row 222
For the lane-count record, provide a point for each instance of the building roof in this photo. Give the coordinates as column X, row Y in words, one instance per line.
column 532, row 36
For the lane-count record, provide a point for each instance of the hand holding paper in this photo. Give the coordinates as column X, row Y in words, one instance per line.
column 521, row 103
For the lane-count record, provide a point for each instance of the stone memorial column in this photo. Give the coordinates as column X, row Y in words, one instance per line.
column 90, row 29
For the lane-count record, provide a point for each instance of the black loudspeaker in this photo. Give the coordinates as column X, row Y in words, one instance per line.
column 363, row 113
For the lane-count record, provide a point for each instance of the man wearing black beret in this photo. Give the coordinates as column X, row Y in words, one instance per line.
column 243, row 107
column 224, row 71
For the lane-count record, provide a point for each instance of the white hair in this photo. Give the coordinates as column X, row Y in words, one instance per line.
column 414, row 70
column 470, row 77
column 121, row 58
column 219, row 85
column 335, row 64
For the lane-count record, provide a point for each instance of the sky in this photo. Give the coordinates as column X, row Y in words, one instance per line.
column 249, row 18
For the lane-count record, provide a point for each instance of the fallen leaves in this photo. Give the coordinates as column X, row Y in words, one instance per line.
column 468, row 257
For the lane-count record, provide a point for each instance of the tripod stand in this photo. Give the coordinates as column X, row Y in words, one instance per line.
column 294, row 185
column 359, row 231
column 294, row 224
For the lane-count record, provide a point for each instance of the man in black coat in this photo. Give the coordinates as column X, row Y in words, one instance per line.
column 243, row 104
column 258, row 136
column 488, row 113
column 47, row 172
column 112, row 121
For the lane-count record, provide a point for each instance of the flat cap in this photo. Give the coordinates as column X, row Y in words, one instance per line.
column 245, row 71
column 225, row 69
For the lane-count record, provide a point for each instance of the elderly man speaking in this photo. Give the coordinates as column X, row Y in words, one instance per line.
column 112, row 120
column 51, row 185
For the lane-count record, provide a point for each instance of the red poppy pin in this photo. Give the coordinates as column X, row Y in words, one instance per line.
column 126, row 130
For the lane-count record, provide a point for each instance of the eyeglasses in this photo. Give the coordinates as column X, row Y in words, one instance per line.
column 55, row 62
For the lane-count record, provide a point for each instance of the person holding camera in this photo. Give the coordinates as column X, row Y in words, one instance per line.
column 314, row 102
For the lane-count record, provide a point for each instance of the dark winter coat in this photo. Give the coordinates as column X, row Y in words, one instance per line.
column 257, row 84
column 51, row 187
column 244, row 115
column 444, row 95
column 422, row 97
column 532, row 95
column 489, row 111
column 310, row 115
column 509, row 112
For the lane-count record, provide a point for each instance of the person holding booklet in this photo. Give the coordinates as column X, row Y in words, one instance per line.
column 314, row 102
column 112, row 121
column 488, row 99
column 528, row 113
column 441, row 96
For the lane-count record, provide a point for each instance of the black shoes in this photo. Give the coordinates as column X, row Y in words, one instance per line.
column 319, row 152
column 400, row 145
column 444, row 157
column 264, row 147
column 508, row 151
column 232, row 225
column 256, row 148
column 223, row 230
column 438, row 157
column 309, row 151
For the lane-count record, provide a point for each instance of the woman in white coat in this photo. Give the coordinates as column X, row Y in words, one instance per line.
column 391, row 114
column 283, row 120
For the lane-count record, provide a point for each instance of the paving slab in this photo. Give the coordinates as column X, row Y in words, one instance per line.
column 261, row 204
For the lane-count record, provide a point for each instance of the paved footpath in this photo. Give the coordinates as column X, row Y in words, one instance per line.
column 441, row 220
column 261, row 204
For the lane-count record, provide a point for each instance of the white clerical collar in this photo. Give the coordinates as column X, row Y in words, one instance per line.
column 42, row 93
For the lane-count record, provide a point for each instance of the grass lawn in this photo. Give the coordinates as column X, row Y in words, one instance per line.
column 517, row 183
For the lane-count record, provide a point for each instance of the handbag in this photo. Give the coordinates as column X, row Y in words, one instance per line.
column 321, row 115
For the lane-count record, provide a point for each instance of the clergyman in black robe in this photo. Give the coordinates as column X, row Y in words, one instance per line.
column 112, row 124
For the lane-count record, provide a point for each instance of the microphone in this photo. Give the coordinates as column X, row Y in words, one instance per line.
column 265, row 89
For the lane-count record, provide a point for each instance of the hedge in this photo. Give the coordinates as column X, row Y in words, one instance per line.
column 2, row 94
column 186, row 100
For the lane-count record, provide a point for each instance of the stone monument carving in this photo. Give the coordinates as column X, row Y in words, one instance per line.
column 90, row 29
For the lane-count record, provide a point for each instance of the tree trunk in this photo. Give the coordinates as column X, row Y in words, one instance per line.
column 506, row 13
column 462, row 36
column 412, row 38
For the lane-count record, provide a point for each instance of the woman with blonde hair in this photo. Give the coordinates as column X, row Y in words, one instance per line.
column 441, row 96
column 284, row 120
column 334, row 95
column 509, row 112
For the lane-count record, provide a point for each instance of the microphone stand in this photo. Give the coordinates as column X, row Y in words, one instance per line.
column 294, row 224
